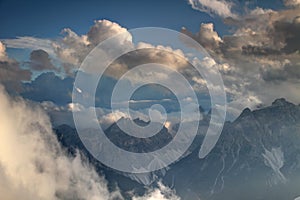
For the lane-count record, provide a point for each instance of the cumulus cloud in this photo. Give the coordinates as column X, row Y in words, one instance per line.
column 222, row 8
column 72, row 49
column 147, row 53
column 260, row 56
column 32, row 163
column 262, row 53
column 103, row 29
column 206, row 36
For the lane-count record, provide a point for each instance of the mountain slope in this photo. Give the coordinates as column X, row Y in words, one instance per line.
column 256, row 157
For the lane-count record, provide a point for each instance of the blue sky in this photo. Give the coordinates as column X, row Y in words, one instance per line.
column 243, row 50
column 47, row 18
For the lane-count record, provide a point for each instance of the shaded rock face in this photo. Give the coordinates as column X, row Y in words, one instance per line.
column 256, row 157
column 134, row 144
column 70, row 139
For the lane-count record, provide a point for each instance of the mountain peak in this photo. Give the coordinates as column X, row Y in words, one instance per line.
column 138, row 121
column 280, row 102
column 245, row 112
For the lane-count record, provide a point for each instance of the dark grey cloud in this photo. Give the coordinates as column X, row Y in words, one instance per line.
column 11, row 74
column 287, row 71
column 40, row 60
column 288, row 32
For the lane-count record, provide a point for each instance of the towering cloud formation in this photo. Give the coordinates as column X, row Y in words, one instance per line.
column 32, row 163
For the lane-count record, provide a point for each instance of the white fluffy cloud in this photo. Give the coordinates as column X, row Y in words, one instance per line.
column 292, row 2
column 72, row 49
column 206, row 36
column 34, row 166
column 222, row 8
column 160, row 193
column 3, row 55
column 30, row 43
column 103, row 29
column 75, row 48
column 32, row 163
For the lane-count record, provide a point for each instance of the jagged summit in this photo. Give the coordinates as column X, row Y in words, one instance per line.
column 281, row 102
column 138, row 121
column 245, row 112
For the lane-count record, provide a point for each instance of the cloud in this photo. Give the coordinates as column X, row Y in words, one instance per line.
column 11, row 74
column 222, row 8
column 30, row 43
column 147, row 53
column 206, row 36
column 32, row 163
column 3, row 55
column 103, row 29
column 259, row 57
column 49, row 87
column 288, row 33
column 262, row 53
column 160, row 193
column 34, row 166
column 72, row 48
column 292, row 2
column 40, row 60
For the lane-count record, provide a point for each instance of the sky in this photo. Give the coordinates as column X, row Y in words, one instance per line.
column 249, row 53
column 252, row 43
column 47, row 19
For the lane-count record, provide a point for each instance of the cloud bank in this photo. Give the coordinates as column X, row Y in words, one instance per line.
column 34, row 166
column 260, row 60
column 32, row 163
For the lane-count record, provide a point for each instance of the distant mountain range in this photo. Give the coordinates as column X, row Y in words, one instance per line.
column 256, row 157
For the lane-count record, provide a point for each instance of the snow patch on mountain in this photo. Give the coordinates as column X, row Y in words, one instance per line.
column 275, row 160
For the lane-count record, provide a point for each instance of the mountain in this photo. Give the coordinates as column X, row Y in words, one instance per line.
column 256, row 157
column 134, row 144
